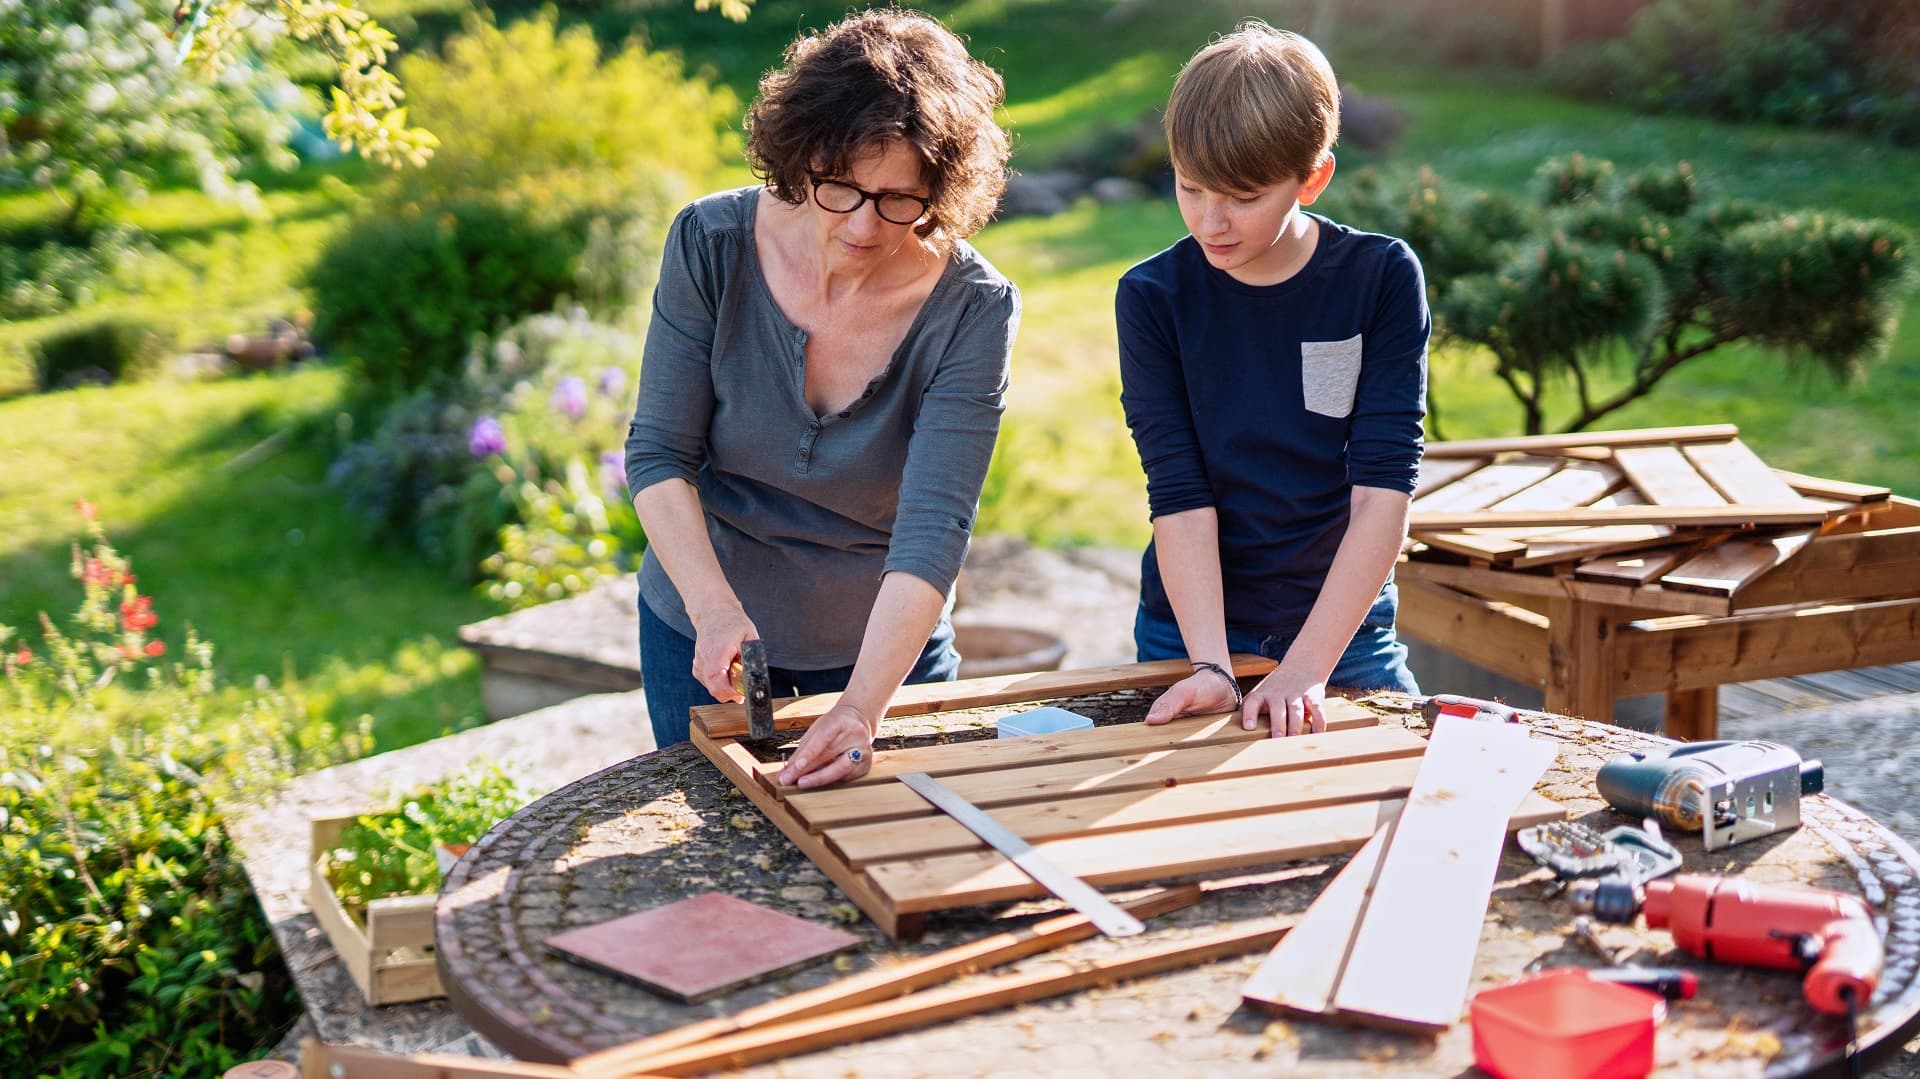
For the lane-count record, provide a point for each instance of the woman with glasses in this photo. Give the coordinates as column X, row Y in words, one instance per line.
column 821, row 389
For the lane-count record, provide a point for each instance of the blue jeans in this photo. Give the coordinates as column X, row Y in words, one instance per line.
column 666, row 674
column 1375, row 659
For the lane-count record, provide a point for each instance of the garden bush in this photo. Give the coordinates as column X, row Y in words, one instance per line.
column 1812, row 63
column 568, row 537
column 43, row 273
column 381, row 855
column 540, row 138
column 103, row 350
column 130, row 943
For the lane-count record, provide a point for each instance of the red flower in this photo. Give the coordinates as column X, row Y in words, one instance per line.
column 87, row 512
column 156, row 648
column 24, row 656
column 137, row 614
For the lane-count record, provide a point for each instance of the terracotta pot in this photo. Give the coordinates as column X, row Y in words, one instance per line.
column 986, row 651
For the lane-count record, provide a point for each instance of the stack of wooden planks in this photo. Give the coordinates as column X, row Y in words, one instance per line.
column 1648, row 517
column 1113, row 805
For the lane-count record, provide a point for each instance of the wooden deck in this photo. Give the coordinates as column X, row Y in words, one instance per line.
column 1742, row 700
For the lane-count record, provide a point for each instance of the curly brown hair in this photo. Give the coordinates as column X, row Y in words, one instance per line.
column 873, row 78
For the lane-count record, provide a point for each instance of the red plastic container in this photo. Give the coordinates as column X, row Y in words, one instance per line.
column 1564, row 1025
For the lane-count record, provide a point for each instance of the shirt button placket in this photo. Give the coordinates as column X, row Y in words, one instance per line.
column 805, row 459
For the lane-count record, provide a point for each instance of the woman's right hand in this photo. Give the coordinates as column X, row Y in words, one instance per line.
column 1204, row 692
column 716, row 647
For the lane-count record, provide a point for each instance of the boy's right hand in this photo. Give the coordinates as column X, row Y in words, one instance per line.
column 1201, row 693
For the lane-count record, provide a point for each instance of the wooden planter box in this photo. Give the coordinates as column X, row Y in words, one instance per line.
column 390, row 958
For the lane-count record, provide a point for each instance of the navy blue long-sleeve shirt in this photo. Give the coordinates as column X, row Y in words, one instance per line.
column 1270, row 403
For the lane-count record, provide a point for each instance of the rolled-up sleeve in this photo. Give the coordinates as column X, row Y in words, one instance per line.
column 1153, row 394
column 668, row 435
column 952, row 442
column 1386, row 440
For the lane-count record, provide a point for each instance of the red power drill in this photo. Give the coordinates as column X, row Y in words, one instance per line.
column 1829, row 935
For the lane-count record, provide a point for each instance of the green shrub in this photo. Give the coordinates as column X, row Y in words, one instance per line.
column 404, row 295
column 539, row 139
column 130, row 943
column 43, row 274
column 568, row 538
column 389, row 854
column 100, row 351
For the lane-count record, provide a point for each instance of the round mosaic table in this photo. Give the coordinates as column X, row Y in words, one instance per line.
column 668, row 825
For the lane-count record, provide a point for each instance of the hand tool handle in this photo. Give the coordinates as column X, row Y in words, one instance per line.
column 1453, row 704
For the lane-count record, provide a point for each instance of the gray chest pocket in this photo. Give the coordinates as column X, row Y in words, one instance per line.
column 1329, row 372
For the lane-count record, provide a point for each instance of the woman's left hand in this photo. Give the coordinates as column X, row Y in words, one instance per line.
column 838, row 747
column 1290, row 702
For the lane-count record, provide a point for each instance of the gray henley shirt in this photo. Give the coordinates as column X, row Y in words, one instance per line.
column 806, row 512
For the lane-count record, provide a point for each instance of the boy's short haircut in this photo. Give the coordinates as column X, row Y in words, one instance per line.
column 1256, row 107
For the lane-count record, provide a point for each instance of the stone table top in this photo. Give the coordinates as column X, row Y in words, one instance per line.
column 666, row 825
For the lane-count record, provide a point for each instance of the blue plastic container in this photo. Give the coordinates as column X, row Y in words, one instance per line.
column 1042, row 721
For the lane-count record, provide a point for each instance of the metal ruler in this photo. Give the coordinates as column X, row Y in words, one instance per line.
column 1077, row 893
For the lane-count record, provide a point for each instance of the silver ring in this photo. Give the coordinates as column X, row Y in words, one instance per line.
column 855, row 755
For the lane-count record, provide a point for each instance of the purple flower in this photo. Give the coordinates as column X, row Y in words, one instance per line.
column 612, row 381
column 486, row 438
column 570, row 397
column 613, row 475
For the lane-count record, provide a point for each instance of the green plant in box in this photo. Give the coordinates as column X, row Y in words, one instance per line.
column 390, row 854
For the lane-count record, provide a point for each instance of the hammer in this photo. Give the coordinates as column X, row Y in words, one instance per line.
column 749, row 675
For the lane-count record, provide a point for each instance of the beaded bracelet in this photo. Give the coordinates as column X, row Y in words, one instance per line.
column 1203, row 665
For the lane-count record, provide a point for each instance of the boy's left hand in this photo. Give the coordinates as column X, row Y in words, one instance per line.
column 1290, row 703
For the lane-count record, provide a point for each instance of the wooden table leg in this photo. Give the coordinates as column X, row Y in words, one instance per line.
column 1580, row 657
column 1693, row 715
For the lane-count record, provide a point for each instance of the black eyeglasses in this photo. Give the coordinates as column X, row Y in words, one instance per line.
column 893, row 207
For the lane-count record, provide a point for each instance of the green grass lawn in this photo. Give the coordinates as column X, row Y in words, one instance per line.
column 265, row 561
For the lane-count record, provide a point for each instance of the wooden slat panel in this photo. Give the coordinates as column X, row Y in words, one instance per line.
column 1661, row 655
column 1303, row 970
column 1176, row 851
column 1115, row 740
column 1436, row 473
column 864, row 844
column 736, row 764
column 797, row 713
column 1634, row 568
column 1430, row 899
column 1692, row 516
column 1850, row 566
column 1652, row 436
column 1489, row 485
column 1730, row 565
column 1576, row 484
column 1665, row 476
column 1500, row 584
column 1738, row 472
column 1818, row 487
column 837, row 807
column 1497, row 636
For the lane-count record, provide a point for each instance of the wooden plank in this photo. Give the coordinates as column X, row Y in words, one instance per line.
column 1738, row 472
column 1693, row 715
column 1113, row 740
column 1501, row 637
column 400, row 922
column 865, row 844
column 1732, row 564
column 1484, row 547
column 736, row 764
column 797, row 713
column 1499, row 583
column 1689, row 516
column 1436, row 877
column 1815, row 486
column 1632, row 568
column 883, row 983
column 953, row 1002
column 838, row 807
column 1488, row 485
column 1583, row 543
column 1687, row 652
column 354, row 953
column 1580, row 649
column 1651, row 436
column 1576, row 484
column 1666, row 477
column 319, row 1060
column 1303, row 970
column 1851, row 566
column 1262, row 839
column 1436, row 473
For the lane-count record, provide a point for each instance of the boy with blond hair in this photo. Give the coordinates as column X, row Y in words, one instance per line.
column 1273, row 371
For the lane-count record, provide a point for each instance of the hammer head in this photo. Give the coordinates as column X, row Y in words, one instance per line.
column 757, row 688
